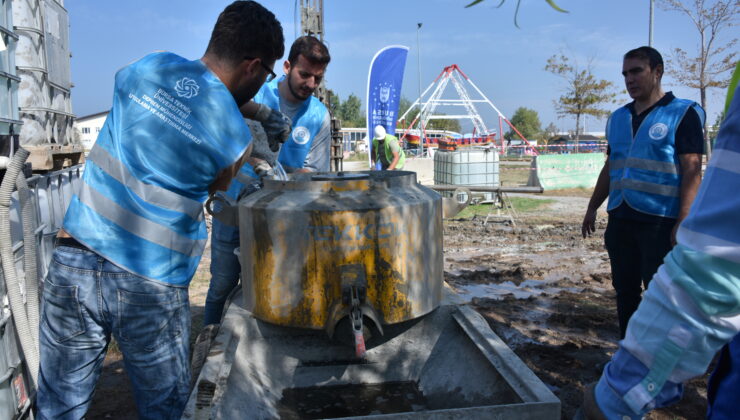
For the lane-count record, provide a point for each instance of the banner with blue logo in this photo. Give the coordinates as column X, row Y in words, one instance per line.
column 384, row 89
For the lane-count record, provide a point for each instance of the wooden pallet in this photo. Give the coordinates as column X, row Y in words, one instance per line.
column 53, row 157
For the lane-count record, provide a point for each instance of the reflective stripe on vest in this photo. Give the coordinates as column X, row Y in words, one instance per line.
column 150, row 193
column 159, row 151
column 139, row 226
column 650, row 165
column 711, row 226
column 643, row 169
column 648, row 187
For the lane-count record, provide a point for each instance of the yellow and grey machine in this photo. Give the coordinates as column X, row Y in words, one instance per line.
column 319, row 247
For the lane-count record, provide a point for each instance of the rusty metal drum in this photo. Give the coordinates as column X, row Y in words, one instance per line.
column 312, row 245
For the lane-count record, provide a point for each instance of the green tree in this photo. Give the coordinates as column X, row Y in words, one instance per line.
column 550, row 131
column 403, row 105
column 714, row 129
column 583, row 93
column 710, row 67
column 334, row 102
column 444, row 124
column 350, row 112
column 527, row 122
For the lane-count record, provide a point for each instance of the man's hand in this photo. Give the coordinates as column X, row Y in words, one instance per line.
column 261, row 168
column 589, row 223
column 601, row 193
column 277, row 126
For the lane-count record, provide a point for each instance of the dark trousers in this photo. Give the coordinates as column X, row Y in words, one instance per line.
column 636, row 250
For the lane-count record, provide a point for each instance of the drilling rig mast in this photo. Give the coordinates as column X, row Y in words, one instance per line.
column 312, row 23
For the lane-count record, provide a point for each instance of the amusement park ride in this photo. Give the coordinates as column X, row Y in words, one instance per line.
column 428, row 103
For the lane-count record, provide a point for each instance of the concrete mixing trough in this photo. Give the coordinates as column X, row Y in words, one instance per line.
column 446, row 365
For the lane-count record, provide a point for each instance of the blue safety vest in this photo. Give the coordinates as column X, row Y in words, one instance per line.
column 172, row 128
column 644, row 170
column 306, row 125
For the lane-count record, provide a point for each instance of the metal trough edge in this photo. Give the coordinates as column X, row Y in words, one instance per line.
column 526, row 384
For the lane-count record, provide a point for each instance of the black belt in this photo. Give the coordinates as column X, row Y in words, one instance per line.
column 72, row 242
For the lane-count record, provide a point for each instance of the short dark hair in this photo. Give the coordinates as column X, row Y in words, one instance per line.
column 246, row 28
column 646, row 53
column 311, row 48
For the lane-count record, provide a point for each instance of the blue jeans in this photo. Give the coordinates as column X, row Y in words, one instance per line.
column 225, row 270
column 225, row 267
column 86, row 299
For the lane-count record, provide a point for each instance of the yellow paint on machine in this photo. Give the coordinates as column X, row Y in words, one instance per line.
column 376, row 240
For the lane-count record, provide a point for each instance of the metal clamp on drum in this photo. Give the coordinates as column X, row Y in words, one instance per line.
column 223, row 208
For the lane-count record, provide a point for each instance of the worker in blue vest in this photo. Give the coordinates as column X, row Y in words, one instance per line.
column 134, row 232
column 650, row 177
column 307, row 149
column 692, row 306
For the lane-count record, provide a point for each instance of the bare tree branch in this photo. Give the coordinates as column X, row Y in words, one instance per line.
column 710, row 67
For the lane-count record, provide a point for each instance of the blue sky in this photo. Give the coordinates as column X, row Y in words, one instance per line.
column 506, row 63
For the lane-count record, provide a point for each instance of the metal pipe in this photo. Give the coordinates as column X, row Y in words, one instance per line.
column 482, row 188
column 650, row 34
column 418, row 68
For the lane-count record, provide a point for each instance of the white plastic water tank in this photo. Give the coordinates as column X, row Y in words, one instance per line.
column 468, row 166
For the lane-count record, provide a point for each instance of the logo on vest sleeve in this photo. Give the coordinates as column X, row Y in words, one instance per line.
column 658, row 131
column 301, row 135
column 186, row 88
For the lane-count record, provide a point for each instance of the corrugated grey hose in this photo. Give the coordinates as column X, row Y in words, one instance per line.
column 30, row 349
column 29, row 255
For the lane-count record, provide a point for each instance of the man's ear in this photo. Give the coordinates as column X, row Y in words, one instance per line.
column 252, row 66
column 286, row 67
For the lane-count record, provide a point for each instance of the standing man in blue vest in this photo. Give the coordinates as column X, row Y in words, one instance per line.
column 650, row 177
column 692, row 307
column 307, row 149
column 134, row 233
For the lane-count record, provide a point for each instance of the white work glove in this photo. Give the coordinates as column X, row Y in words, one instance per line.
column 277, row 126
column 262, row 169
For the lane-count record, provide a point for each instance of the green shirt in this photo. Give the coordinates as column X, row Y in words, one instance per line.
column 389, row 146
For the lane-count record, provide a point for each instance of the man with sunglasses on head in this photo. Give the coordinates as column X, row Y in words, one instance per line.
column 134, row 233
column 307, row 149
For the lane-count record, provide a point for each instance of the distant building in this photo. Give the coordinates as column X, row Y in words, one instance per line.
column 88, row 128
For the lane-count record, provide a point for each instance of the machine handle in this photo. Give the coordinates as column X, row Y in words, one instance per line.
column 225, row 211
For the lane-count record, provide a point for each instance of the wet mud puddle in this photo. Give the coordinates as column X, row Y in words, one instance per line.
column 324, row 402
column 497, row 291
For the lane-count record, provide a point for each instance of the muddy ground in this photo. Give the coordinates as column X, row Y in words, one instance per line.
column 543, row 289
column 547, row 293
